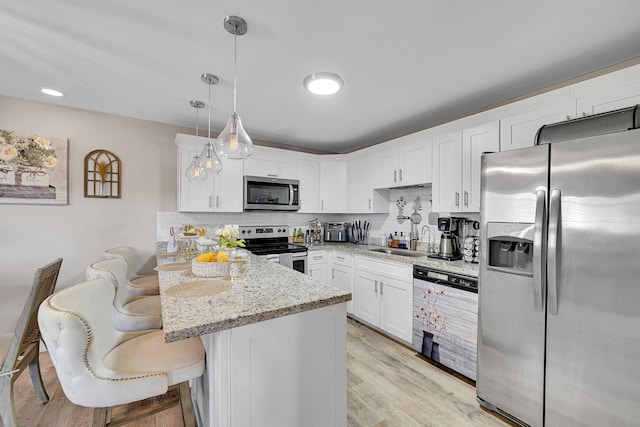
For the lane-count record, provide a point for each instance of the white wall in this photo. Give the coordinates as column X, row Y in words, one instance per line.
column 33, row 235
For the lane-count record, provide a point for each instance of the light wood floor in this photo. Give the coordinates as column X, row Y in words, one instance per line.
column 388, row 385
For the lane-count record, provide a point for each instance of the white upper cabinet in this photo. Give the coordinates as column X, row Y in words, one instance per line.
column 309, row 176
column 601, row 102
column 476, row 141
column 385, row 165
column 218, row 193
column 415, row 160
column 447, row 172
column 403, row 161
column 456, row 167
column 361, row 196
column 272, row 163
column 520, row 130
column 333, row 188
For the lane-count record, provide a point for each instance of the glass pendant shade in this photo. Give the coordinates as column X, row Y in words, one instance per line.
column 194, row 172
column 209, row 160
column 234, row 142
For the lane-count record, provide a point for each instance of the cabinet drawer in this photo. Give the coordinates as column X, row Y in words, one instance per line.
column 385, row 268
column 317, row 257
column 341, row 258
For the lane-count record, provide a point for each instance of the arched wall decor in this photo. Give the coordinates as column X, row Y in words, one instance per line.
column 102, row 174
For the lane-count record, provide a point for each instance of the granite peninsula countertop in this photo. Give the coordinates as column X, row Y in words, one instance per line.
column 194, row 306
column 459, row 267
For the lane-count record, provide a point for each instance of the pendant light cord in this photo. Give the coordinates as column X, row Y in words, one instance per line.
column 235, row 66
column 197, row 120
column 209, row 135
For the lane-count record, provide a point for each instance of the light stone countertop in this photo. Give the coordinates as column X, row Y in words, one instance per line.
column 194, row 306
column 459, row 267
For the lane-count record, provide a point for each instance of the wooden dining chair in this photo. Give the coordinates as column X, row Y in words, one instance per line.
column 22, row 347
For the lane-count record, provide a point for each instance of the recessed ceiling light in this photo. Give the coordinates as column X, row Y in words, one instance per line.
column 51, row 92
column 323, row 83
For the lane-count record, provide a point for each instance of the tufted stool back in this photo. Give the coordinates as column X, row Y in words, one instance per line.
column 136, row 285
column 76, row 327
column 129, row 313
column 116, row 271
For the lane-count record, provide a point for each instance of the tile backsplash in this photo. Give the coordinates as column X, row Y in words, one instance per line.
column 381, row 224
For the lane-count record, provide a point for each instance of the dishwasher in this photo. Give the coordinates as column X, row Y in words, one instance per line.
column 445, row 318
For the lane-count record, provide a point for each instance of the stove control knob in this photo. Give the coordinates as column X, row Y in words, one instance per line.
column 244, row 231
column 248, row 231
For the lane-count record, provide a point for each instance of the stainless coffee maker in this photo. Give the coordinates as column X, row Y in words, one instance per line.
column 449, row 239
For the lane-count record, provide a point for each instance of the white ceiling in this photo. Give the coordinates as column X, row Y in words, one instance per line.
column 407, row 64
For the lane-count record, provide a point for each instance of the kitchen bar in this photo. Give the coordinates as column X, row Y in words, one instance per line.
column 275, row 344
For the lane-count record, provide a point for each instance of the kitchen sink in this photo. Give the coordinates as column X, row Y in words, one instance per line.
column 401, row 252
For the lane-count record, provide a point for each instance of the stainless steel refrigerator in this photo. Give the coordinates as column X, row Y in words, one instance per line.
column 559, row 289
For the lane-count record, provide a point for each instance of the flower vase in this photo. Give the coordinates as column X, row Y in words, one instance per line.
column 32, row 177
column 435, row 352
column 103, row 188
column 238, row 259
column 427, row 343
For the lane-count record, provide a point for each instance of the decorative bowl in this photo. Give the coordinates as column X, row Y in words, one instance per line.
column 210, row 269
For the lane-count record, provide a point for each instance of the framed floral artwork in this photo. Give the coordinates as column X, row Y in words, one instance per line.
column 33, row 169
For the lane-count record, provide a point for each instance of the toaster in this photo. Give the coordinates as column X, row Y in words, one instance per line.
column 337, row 232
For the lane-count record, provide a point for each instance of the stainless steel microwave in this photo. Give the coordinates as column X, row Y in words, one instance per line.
column 276, row 194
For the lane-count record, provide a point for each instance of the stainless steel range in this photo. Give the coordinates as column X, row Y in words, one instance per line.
column 272, row 243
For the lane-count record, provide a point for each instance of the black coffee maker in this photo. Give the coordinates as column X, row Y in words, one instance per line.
column 449, row 239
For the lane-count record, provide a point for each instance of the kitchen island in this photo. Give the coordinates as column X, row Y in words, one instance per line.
column 275, row 344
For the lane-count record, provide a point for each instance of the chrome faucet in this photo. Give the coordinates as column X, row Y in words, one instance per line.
column 430, row 245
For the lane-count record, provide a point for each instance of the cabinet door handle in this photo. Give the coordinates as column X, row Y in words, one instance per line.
column 466, row 198
column 376, row 287
column 272, row 175
column 210, row 201
column 381, row 288
column 333, row 274
column 369, row 203
column 395, row 175
column 457, row 199
column 217, row 201
column 321, row 204
column 400, row 175
column 339, row 258
column 316, row 258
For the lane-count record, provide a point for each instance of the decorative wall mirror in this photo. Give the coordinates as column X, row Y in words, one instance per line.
column 102, row 174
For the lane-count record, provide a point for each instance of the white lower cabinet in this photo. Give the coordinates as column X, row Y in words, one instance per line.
column 317, row 265
column 342, row 274
column 383, row 295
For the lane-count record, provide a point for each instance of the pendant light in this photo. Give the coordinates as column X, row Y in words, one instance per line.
column 208, row 159
column 195, row 172
column 233, row 142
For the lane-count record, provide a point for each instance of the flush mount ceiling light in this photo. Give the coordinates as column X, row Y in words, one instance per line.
column 323, row 83
column 208, row 159
column 234, row 142
column 51, row 92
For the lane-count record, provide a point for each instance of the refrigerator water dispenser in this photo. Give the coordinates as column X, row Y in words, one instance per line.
column 510, row 247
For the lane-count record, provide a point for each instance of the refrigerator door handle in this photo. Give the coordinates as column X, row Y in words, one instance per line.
column 552, row 260
column 539, row 263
